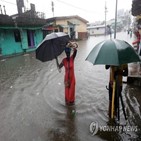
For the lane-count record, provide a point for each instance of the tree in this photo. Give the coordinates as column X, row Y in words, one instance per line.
column 136, row 7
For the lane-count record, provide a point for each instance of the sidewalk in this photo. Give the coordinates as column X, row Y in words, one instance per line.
column 134, row 76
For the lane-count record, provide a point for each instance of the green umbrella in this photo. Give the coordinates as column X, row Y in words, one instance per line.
column 113, row 52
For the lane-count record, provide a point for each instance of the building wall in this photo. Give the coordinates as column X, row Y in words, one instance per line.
column 24, row 41
column 61, row 22
column 38, row 36
column 64, row 24
column 96, row 31
column 80, row 27
column 8, row 44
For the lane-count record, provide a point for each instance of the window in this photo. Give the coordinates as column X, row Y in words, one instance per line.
column 17, row 35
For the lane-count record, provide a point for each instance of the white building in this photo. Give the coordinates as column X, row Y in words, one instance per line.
column 96, row 30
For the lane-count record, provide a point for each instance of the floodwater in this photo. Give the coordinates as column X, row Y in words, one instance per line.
column 32, row 105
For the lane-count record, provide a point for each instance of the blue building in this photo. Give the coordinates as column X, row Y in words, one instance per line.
column 19, row 35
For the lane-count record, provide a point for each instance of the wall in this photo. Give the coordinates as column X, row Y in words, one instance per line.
column 8, row 44
column 10, row 47
column 38, row 36
column 24, row 41
column 64, row 24
column 96, row 31
column 80, row 27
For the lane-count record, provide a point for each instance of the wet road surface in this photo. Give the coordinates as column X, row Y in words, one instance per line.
column 32, row 106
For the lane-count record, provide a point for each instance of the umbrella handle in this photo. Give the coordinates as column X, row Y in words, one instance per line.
column 113, row 99
column 57, row 64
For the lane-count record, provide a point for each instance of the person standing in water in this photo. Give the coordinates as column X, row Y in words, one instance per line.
column 69, row 79
column 118, row 72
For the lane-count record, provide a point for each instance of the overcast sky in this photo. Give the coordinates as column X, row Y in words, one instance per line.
column 91, row 10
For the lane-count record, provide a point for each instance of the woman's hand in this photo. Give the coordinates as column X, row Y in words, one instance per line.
column 72, row 45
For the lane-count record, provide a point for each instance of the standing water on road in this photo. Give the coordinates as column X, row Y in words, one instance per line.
column 32, row 104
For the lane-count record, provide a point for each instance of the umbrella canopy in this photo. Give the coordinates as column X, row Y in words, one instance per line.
column 52, row 46
column 113, row 52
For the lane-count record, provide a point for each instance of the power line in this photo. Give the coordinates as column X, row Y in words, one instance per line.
column 71, row 5
column 52, row 4
column 8, row 2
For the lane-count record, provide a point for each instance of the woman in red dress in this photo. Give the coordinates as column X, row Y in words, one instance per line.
column 69, row 79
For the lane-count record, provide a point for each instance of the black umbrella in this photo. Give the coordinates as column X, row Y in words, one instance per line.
column 52, row 46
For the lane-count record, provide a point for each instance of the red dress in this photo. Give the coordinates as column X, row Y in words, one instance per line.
column 69, row 78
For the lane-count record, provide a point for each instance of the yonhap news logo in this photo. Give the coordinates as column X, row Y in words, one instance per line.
column 95, row 127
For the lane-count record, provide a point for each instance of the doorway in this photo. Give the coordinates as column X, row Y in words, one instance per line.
column 30, row 38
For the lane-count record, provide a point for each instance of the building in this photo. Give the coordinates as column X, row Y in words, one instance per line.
column 136, row 12
column 96, row 30
column 75, row 26
column 21, row 32
column 19, row 35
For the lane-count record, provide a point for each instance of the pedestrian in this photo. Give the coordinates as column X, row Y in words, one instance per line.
column 116, row 72
column 69, row 79
column 137, row 39
column 109, row 31
column 130, row 33
column 72, row 35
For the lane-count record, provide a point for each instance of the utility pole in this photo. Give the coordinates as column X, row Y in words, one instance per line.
column 105, row 17
column 4, row 10
column 52, row 4
column 1, row 9
column 115, row 20
column 54, row 23
column 26, row 6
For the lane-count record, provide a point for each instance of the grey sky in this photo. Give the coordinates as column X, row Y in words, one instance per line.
column 91, row 10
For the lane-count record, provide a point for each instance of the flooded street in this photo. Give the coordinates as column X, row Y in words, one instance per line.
column 32, row 104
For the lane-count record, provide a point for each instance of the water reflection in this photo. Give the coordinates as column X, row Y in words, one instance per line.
column 131, row 128
column 65, row 129
column 133, row 100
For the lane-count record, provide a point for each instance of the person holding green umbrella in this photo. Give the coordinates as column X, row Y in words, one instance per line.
column 116, row 73
column 115, row 54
